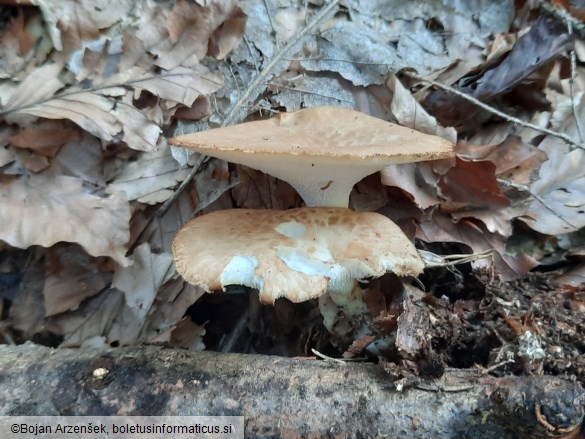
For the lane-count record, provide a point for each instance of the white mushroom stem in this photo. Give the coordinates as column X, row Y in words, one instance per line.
column 320, row 181
column 345, row 314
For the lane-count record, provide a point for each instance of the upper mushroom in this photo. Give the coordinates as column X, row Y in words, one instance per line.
column 299, row 254
column 322, row 152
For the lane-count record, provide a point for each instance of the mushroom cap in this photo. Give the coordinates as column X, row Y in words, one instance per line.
column 322, row 152
column 299, row 254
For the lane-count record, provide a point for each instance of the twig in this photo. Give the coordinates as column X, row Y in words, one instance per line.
column 300, row 90
column 572, row 84
column 167, row 204
column 279, row 56
column 269, row 14
column 563, row 15
column 495, row 111
column 260, row 79
column 434, row 260
column 498, row 365
column 251, row 54
column 524, row 188
column 327, row 358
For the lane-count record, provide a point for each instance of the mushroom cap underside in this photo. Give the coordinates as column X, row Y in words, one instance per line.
column 299, row 254
column 335, row 132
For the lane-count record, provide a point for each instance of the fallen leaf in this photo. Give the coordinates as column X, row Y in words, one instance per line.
column 472, row 185
column 38, row 86
column 77, row 21
column 151, row 178
column 417, row 179
column 46, row 137
column 188, row 335
column 43, row 211
column 27, row 312
column 90, row 322
column 171, row 304
column 227, row 36
column 180, row 84
column 180, row 36
column 71, row 277
column 81, row 158
column 140, row 283
column 410, row 113
column 440, row 227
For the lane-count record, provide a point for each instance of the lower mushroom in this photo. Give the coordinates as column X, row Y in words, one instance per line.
column 299, row 254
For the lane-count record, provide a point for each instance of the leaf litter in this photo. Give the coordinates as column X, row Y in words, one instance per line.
column 84, row 163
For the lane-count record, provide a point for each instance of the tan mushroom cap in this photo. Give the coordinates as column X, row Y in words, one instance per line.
column 322, row 152
column 299, row 254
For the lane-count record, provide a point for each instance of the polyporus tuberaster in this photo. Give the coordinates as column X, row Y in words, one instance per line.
column 299, row 254
column 322, row 152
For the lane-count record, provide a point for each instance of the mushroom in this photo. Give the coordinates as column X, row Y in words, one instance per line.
column 322, row 152
column 299, row 254
column 312, row 252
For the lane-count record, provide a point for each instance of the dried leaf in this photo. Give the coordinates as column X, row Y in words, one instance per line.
column 72, row 277
column 546, row 41
column 27, row 312
column 559, row 203
column 228, row 35
column 180, row 84
column 171, row 304
column 90, row 322
column 515, row 160
column 83, row 159
column 410, row 177
column 180, row 36
column 188, row 335
column 97, row 113
column 473, row 185
column 40, row 85
column 295, row 91
column 31, row 160
column 150, row 179
column 43, row 211
column 440, row 227
column 140, row 283
column 410, row 113
column 81, row 20
column 46, row 136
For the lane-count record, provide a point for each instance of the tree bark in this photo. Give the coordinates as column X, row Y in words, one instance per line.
column 284, row 397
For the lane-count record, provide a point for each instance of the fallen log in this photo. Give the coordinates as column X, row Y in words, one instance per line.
column 284, row 397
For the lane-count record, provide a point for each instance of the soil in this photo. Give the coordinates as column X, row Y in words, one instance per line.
column 526, row 326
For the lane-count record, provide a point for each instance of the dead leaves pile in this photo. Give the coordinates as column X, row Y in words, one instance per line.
column 88, row 90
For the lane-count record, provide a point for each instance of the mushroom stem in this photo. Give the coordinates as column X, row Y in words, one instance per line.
column 345, row 314
column 321, row 181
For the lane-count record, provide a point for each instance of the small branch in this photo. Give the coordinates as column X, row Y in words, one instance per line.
column 572, row 85
column 326, row 357
column 495, row 111
column 167, row 204
column 524, row 188
column 432, row 260
column 563, row 15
